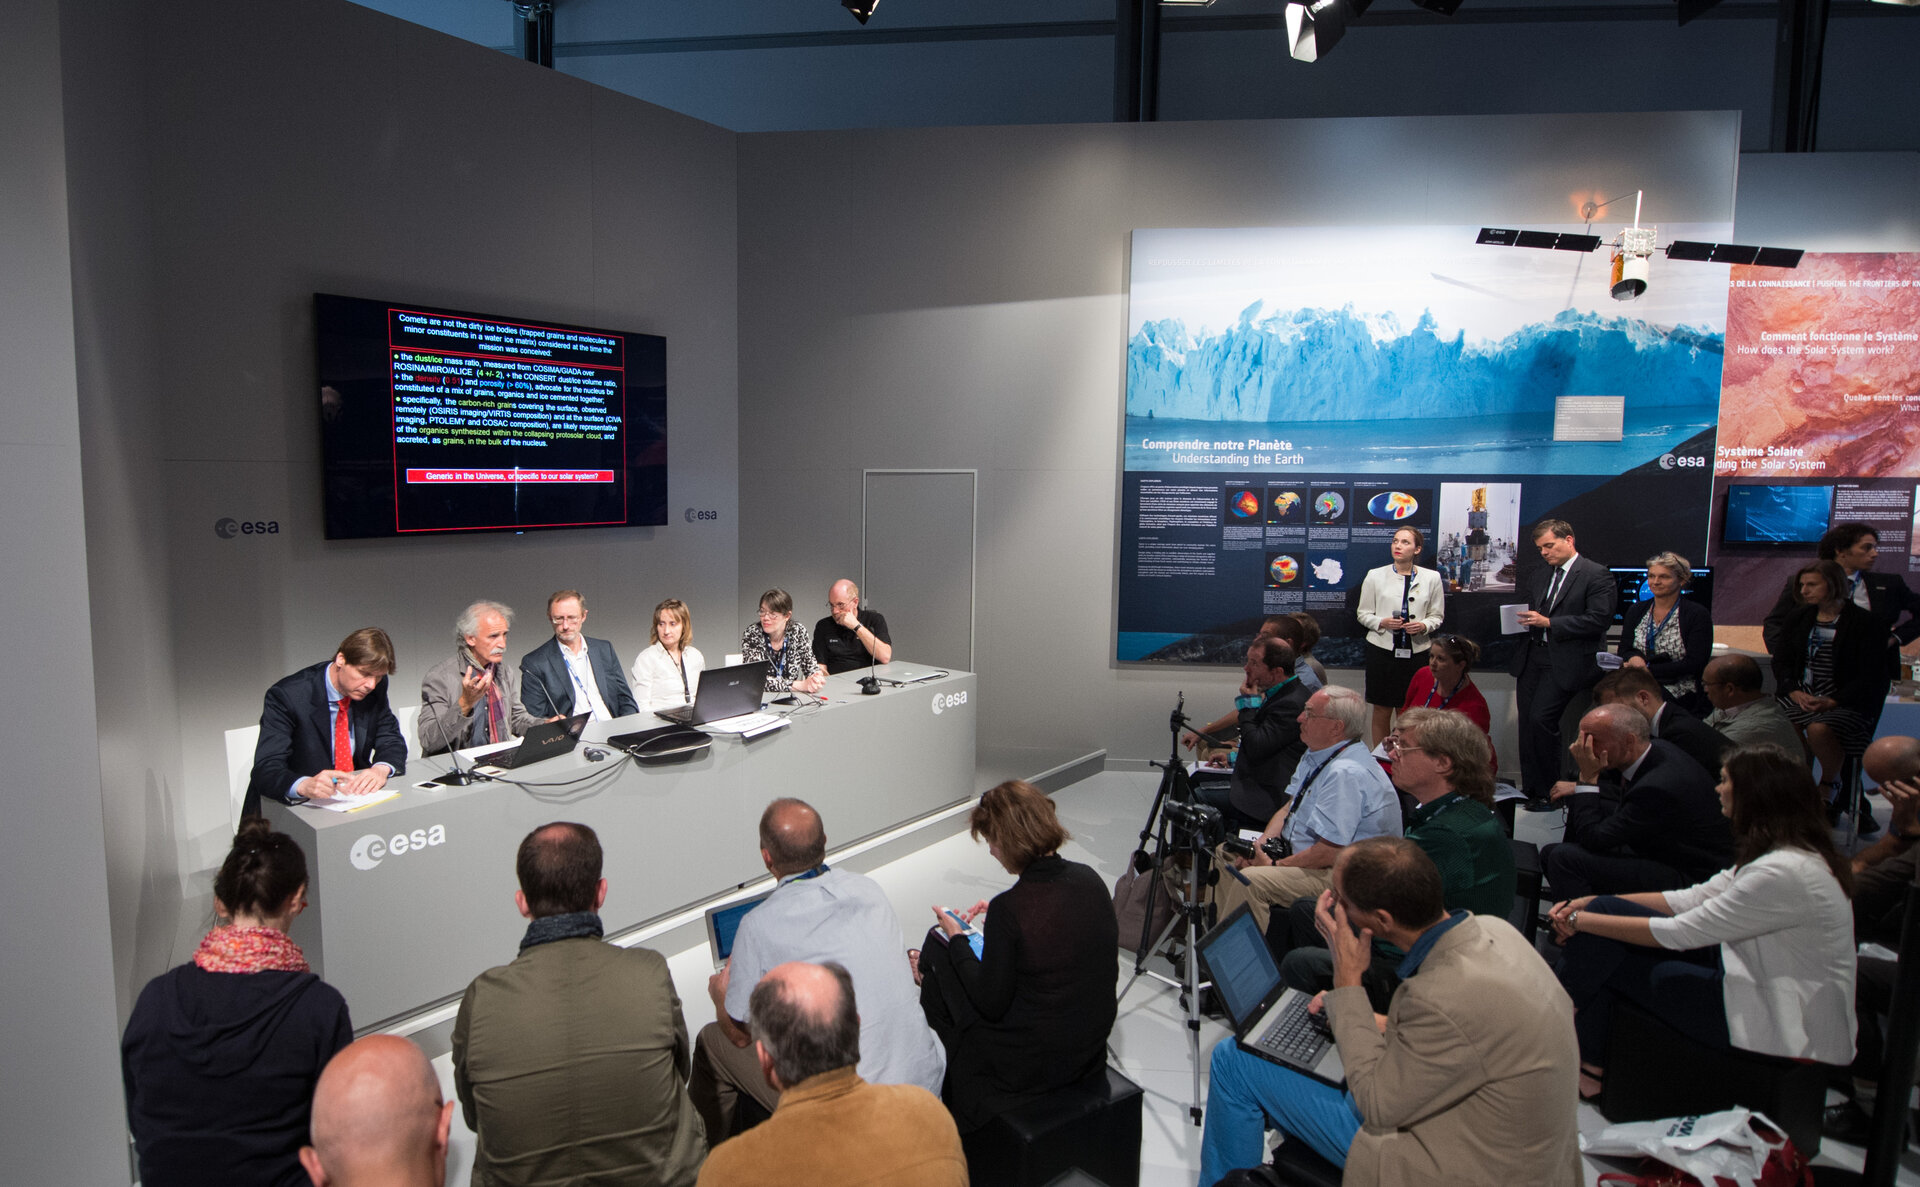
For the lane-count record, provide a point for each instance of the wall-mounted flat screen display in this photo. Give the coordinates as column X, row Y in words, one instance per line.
column 1764, row 513
column 438, row 420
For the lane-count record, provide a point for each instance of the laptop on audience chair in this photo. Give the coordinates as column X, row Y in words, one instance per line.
column 722, row 693
column 1268, row 1019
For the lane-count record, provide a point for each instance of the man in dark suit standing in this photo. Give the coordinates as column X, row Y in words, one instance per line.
column 327, row 730
column 1643, row 816
column 1855, row 547
column 1569, row 609
column 1270, row 701
column 571, row 673
column 1639, row 690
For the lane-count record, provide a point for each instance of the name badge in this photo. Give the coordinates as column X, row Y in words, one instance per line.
column 1403, row 653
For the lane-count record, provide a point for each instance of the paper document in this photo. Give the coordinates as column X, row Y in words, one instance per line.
column 1510, row 618
column 746, row 723
column 349, row 803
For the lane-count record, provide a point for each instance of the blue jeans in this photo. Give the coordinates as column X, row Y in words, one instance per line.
column 1245, row 1091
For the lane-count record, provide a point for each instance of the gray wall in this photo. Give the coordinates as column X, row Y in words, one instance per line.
column 956, row 297
column 60, row 1103
column 232, row 158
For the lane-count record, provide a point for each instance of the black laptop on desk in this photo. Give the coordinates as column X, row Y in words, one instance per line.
column 1269, row 1020
column 549, row 739
column 723, row 693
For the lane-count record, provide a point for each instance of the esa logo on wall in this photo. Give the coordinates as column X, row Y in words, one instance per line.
column 1675, row 461
column 370, row 850
column 227, row 527
column 942, row 701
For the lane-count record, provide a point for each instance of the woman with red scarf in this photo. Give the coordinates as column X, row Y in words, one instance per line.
column 221, row 1054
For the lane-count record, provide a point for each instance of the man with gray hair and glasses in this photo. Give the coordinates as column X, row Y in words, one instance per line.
column 1338, row 795
column 472, row 698
column 831, row 1126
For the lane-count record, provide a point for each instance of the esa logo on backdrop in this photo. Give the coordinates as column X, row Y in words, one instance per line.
column 1670, row 461
column 370, row 850
column 693, row 515
column 227, row 527
column 942, row 701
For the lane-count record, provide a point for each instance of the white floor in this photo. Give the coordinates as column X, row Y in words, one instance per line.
column 1104, row 814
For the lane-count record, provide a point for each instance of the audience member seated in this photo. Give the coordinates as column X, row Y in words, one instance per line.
column 571, row 1062
column 1650, row 824
column 1742, row 711
column 1471, row 1076
column 1401, row 605
column 783, row 645
column 472, row 698
column 1669, row 636
column 571, row 673
column 221, row 1054
column 1031, row 1011
column 1887, row 597
column 309, row 749
column 849, row 637
column 1338, row 795
column 1269, row 705
column 1443, row 762
column 831, row 1127
column 1881, row 874
column 1446, row 682
column 667, row 673
column 1638, row 690
column 1830, row 672
column 379, row 1119
column 815, row 914
column 1758, row 958
column 1298, row 632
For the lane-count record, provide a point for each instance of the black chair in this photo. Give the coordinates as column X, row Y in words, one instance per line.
column 1296, row 1165
column 1092, row 1126
column 1528, row 879
column 1654, row 1071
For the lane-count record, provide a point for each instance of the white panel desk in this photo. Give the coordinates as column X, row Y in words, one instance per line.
column 412, row 897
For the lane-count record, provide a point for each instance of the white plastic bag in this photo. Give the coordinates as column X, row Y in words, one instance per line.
column 1712, row 1145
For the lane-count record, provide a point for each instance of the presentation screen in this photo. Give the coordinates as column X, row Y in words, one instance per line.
column 1777, row 514
column 439, row 420
column 1296, row 396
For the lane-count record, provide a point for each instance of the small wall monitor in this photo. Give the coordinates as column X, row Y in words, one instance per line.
column 1632, row 584
column 1760, row 513
column 438, row 420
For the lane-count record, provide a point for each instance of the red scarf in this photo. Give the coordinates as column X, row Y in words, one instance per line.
column 249, row 950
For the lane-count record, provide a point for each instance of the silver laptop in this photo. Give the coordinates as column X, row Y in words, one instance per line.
column 1269, row 1020
column 723, row 923
column 723, row 693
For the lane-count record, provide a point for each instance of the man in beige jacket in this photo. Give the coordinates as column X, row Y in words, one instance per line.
column 1472, row 1075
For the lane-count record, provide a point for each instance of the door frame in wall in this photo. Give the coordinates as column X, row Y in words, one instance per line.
column 973, row 524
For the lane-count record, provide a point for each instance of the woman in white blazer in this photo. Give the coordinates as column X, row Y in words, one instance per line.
column 1758, row 957
column 1401, row 605
column 667, row 673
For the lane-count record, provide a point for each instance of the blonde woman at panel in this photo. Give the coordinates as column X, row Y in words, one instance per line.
column 667, row 673
column 1401, row 605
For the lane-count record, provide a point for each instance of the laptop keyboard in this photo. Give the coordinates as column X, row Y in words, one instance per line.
column 1296, row 1035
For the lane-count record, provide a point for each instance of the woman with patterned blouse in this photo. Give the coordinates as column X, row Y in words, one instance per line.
column 1670, row 636
column 783, row 645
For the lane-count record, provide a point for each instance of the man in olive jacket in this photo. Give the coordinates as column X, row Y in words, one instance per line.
column 571, row 1062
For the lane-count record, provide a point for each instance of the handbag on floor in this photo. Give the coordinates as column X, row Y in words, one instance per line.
column 1130, row 892
column 1736, row 1148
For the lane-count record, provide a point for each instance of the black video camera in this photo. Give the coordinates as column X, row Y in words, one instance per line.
column 1195, row 826
column 1276, row 848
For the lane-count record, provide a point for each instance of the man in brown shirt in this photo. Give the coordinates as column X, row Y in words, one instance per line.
column 831, row 1129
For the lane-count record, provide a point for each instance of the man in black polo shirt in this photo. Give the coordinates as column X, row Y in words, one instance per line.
column 850, row 637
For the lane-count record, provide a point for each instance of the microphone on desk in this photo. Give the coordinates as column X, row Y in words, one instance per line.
column 870, row 683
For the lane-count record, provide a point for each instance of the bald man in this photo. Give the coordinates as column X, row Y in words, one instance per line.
column 831, row 1127
column 815, row 914
column 1654, row 825
column 850, row 637
column 1742, row 710
column 1883, row 870
column 378, row 1118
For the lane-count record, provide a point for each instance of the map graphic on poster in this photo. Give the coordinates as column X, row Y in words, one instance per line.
column 1819, row 418
column 1297, row 395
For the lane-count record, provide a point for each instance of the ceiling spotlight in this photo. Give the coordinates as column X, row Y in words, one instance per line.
column 1313, row 29
column 861, row 9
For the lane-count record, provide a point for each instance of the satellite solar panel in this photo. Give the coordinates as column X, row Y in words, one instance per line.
column 1688, row 249
column 1779, row 257
column 1734, row 253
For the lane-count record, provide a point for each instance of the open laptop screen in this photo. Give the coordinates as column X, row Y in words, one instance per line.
column 1242, row 969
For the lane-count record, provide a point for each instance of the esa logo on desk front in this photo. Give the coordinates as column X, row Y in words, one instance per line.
column 942, row 701
column 370, row 850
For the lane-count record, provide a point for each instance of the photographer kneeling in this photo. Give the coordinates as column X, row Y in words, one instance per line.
column 1338, row 795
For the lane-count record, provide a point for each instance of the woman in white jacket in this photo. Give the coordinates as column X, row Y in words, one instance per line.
column 1401, row 605
column 1759, row 957
column 667, row 673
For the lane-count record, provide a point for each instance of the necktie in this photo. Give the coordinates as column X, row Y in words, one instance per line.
column 1858, row 594
column 342, row 741
column 1553, row 588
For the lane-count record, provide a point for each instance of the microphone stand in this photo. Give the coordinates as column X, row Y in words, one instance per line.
column 870, row 683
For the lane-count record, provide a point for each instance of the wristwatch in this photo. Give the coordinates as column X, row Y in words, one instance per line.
column 1573, row 919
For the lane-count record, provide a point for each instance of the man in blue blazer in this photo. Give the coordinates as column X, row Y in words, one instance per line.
column 571, row 673
column 306, row 750
column 1569, row 608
